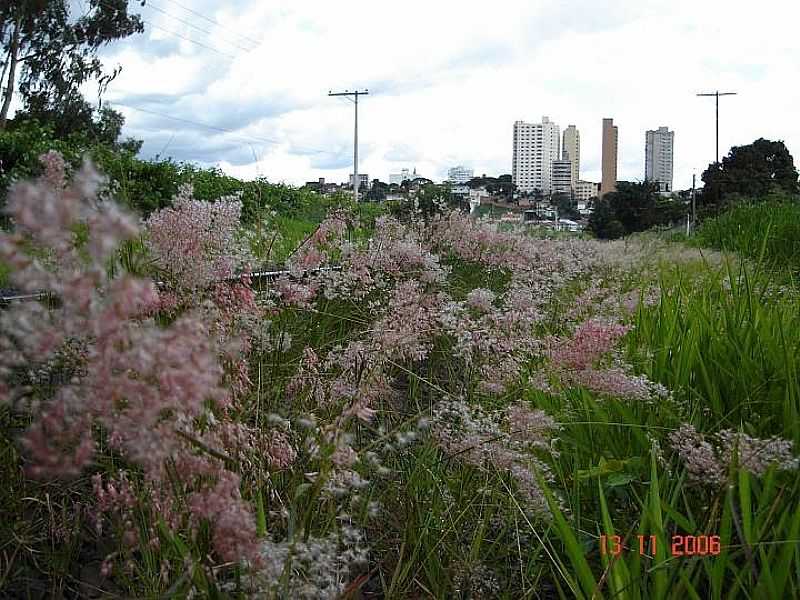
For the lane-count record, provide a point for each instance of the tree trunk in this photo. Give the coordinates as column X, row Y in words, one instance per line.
column 12, row 75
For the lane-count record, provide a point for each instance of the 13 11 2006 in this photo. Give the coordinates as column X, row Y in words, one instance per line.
column 647, row 545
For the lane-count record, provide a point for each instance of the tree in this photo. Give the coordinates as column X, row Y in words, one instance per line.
column 78, row 119
column 753, row 171
column 378, row 191
column 567, row 207
column 633, row 207
column 52, row 53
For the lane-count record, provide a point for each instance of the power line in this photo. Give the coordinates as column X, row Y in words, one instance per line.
column 220, row 129
column 183, row 37
column 213, row 21
column 193, row 26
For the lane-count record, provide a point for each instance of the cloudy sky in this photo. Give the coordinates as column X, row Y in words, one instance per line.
column 447, row 79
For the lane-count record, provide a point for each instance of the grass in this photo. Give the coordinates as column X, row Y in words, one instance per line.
column 767, row 231
column 725, row 339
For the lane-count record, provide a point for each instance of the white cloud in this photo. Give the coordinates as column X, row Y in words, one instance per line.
column 447, row 81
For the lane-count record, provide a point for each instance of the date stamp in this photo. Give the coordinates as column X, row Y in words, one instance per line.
column 679, row 545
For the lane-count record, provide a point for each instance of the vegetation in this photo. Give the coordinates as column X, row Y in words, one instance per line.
column 754, row 171
column 52, row 53
column 146, row 186
column 632, row 208
column 767, row 231
column 458, row 412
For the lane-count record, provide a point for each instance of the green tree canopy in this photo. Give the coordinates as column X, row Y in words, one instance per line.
column 753, row 171
column 633, row 207
column 52, row 52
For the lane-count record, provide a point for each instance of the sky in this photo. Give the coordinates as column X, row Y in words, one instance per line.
column 447, row 79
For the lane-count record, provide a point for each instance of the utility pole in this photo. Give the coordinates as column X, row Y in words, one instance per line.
column 694, row 212
column 355, row 94
column 716, row 95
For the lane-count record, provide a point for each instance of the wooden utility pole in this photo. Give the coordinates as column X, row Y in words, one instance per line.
column 355, row 94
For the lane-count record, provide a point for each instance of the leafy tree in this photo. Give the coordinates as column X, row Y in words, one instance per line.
column 752, row 171
column 378, row 191
column 633, row 207
column 494, row 185
column 52, row 53
column 77, row 119
column 567, row 207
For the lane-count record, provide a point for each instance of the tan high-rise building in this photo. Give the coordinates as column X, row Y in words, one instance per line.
column 608, row 182
column 571, row 151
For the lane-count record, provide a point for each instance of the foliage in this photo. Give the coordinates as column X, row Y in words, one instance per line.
column 79, row 123
column 494, row 185
column 631, row 208
column 56, row 53
column 455, row 411
column 146, row 186
column 567, row 207
column 752, row 171
column 768, row 231
column 428, row 201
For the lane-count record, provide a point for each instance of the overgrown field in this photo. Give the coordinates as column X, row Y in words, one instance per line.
column 767, row 231
column 453, row 412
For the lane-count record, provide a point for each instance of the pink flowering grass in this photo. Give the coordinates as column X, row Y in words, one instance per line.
column 453, row 411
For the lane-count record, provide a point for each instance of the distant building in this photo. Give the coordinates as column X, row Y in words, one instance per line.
column 609, row 157
column 585, row 190
column 459, row 174
column 658, row 157
column 571, row 150
column 535, row 147
column 562, row 177
column 317, row 186
column 363, row 181
column 476, row 197
column 402, row 176
column 568, row 225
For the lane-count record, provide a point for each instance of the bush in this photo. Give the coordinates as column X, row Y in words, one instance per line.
column 145, row 186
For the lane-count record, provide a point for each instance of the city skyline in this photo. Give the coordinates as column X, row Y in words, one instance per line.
column 435, row 104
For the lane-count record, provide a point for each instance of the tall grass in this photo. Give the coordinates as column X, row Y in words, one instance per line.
column 767, row 230
column 724, row 338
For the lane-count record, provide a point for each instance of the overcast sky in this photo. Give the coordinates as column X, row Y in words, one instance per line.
column 447, row 80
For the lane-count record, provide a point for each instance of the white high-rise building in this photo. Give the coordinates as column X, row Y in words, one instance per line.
column 562, row 177
column 571, row 151
column 459, row 174
column 404, row 174
column 658, row 156
column 536, row 146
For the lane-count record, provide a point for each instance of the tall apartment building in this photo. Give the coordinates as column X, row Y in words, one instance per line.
column 536, row 146
column 460, row 174
column 658, row 155
column 608, row 182
column 562, row 177
column 571, row 151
